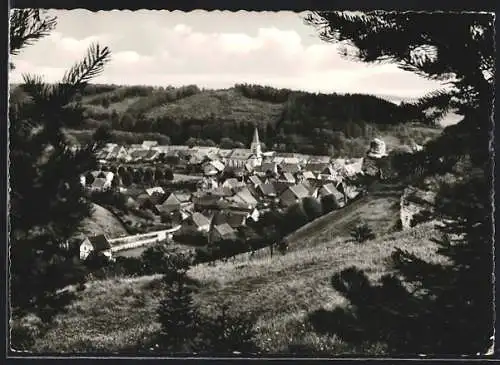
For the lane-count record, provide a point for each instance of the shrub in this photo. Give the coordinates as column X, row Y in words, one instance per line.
column 24, row 331
column 227, row 333
column 362, row 232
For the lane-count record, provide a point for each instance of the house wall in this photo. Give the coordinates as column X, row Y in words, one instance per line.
column 85, row 249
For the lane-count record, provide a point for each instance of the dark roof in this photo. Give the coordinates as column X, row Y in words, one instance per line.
column 267, row 189
column 315, row 167
column 100, row 242
column 199, row 219
column 280, row 187
column 289, row 168
column 234, row 219
column 300, row 191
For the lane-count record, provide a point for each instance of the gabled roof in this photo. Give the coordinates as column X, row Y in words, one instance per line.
column 280, row 187
column 247, row 196
column 224, row 229
column 288, row 177
column 100, row 242
column 308, row 175
column 255, row 180
column 330, row 189
column 151, row 154
column 199, row 219
column 315, row 167
column 328, row 170
column 299, row 190
column 291, row 168
column 234, row 219
column 267, row 189
column 99, row 182
column 218, row 165
column 267, row 166
column 171, row 200
column 222, row 191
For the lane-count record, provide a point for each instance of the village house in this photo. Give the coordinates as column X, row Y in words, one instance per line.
column 156, row 189
column 119, row 153
column 254, row 181
column 233, row 184
column 244, row 196
column 99, row 244
column 198, row 222
column 100, row 184
column 329, row 174
column 293, row 194
column 330, row 189
column 233, row 218
column 286, row 178
column 149, row 144
column 267, row 169
column 212, row 168
column 267, row 191
column 239, row 157
column 222, row 232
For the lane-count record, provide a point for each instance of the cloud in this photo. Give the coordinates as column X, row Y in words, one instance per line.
column 162, row 53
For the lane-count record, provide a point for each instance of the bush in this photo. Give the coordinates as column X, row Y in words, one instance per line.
column 227, row 333
column 24, row 331
column 312, row 208
column 362, row 232
column 329, row 203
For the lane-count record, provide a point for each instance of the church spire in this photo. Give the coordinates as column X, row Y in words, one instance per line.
column 255, row 146
column 255, row 139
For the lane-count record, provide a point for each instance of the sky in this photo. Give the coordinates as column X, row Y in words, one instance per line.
column 212, row 50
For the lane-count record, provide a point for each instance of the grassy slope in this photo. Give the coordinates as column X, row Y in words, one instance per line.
column 103, row 221
column 224, row 104
column 115, row 315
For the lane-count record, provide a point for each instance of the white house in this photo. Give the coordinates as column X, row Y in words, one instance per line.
column 99, row 244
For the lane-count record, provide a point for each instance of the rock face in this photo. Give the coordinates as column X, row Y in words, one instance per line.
column 415, row 201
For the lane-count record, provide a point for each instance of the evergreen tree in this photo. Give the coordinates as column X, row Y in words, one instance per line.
column 425, row 307
column 45, row 173
column 177, row 313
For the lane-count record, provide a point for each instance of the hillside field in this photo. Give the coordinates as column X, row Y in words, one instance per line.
column 119, row 315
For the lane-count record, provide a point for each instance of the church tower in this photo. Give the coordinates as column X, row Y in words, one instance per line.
column 255, row 146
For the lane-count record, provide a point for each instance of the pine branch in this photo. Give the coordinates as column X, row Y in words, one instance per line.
column 91, row 66
column 26, row 27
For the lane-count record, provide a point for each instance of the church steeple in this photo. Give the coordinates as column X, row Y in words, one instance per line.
column 255, row 146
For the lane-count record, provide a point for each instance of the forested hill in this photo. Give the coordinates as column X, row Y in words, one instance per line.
column 287, row 120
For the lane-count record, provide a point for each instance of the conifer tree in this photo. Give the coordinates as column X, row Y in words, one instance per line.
column 47, row 202
column 425, row 307
column 177, row 313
